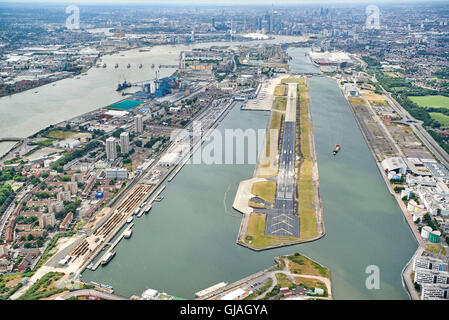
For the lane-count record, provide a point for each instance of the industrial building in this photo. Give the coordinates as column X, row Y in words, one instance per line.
column 394, row 164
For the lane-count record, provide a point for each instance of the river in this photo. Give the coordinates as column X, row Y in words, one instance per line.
column 188, row 241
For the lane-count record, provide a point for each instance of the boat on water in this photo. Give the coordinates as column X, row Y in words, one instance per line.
column 148, row 209
column 130, row 219
column 128, row 234
column 108, row 257
column 90, row 266
column 336, row 149
column 123, row 85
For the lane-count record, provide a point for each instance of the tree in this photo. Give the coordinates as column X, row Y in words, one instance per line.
column 30, row 237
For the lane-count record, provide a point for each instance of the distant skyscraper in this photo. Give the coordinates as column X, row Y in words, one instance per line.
column 139, row 123
column 111, row 149
column 124, row 142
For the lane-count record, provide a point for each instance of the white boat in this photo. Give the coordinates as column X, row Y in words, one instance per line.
column 128, row 234
column 148, row 209
column 108, row 257
column 130, row 219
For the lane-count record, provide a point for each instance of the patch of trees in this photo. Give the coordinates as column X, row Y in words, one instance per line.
column 58, row 165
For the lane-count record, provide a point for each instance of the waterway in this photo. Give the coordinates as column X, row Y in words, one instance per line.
column 187, row 242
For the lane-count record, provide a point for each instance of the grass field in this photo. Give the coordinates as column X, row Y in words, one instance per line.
column 431, row 101
column 265, row 190
column 306, row 200
column 356, row 101
column 441, row 118
column 374, row 99
column 255, row 233
column 280, row 90
column 300, row 264
column 283, row 281
column 280, row 103
column 391, row 74
column 298, row 80
column 275, row 124
column 60, row 134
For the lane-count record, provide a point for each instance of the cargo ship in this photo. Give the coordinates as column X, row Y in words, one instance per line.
column 336, row 149
column 108, row 257
column 123, row 85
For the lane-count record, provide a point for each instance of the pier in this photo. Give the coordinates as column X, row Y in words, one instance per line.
column 97, row 264
column 151, row 201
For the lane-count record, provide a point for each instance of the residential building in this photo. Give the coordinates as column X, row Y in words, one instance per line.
column 124, row 142
column 111, row 149
column 139, row 123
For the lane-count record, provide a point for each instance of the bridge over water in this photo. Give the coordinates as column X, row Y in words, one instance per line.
column 11, row 139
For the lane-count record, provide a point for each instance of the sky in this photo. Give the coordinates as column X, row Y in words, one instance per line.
column 221, row 2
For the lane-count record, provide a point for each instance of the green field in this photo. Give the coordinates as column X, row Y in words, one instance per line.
column 431, row 101
column 441, row 118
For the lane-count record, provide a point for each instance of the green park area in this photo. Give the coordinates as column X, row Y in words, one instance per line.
column 431, row 101
column 441, row 118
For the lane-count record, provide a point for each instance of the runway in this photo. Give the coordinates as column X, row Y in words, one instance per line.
column 281, row 219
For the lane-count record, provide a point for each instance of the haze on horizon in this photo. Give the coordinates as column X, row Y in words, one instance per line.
column 220, row 2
